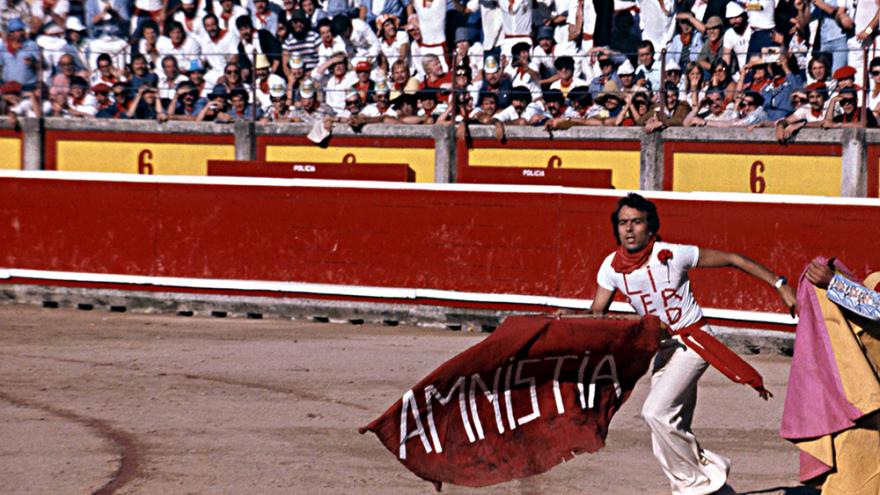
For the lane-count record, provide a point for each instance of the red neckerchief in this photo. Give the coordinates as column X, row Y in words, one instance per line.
column 389, row 43
column 219, row 37
column 854, row 118
column 78, row 101
column 760, row 85
column 226, row 16
column 264, row 85
column 565, row 84
column 583, row 111
column 522, row 72
column 175, row 45
column 714, row 47
column 686, row 38
column 327, row 45
column 815, row 113
column 625, row 262
column 362, row 86
column 261, row 19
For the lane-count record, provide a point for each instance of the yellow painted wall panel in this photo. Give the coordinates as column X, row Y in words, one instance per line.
column 146, row 158
column 420, row 160
column 769, row 174
column 624, row 165
column 10, row 153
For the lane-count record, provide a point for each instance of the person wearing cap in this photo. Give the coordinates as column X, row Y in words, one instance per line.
column 713, row 47
column 196, row 74
column 674, row 73
column 845, row 77
column 180, row 46
column 109, row 105
column 737, row 37
column 378, row 111
column 778, row 92
column 393, row 43
column 850, row 114
column 566, row 82
column 80, row 102
column 832, row 35
column 217, row 46
column 606, row 73
column 687, row 43
column 301, row 45
column 145, row 105
column 20, row 57
column 496, row 81
column 309, row 108
column 191, row 17
column 467, row 51
column 259, row 41
column 364, row 85
column 76, row 43
column 263, row 74
column 613, row 112
column 279, row 107
column 522, row 111
column 544, row 52
column 810, row 115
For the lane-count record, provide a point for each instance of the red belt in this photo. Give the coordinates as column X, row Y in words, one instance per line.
column 586, row 36
column 518, row 36
column 721, row 357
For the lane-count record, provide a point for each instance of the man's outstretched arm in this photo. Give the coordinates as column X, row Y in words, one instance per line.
column 601, row 301
column 711, row 258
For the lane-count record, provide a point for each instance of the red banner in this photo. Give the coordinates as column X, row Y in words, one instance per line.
column 536, row 392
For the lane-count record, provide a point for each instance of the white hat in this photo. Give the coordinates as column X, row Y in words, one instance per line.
column 277, row 86
column 626, row 69
column 672, row 65
column 307, row 88
column 53, row 30
column 491, row 65
column 296, row 61
column 74, row 24
column 262, row 61
column 734, row 10
column 187, row 2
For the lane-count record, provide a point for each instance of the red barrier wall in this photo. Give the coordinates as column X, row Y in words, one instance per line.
column 457, row 239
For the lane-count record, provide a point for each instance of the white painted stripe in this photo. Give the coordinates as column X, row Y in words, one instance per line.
column 421, row 186
column 364, row 291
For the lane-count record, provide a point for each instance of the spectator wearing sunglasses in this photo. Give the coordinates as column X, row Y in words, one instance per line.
column 874, row 84
column 851, row 112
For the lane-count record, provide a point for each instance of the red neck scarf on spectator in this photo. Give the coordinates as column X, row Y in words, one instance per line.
column 625, row 262
column 178, row 45
column 715, row 46
column 220, row 35
column 686, row 38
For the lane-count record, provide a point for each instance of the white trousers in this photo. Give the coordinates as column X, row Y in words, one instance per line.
column 669, row 410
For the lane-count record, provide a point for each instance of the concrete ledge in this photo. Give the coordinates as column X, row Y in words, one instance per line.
column 762, row 134
column 744, row 341
column 342, row 130
column 121, row 125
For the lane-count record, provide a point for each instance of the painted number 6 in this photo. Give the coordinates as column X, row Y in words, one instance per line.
column 756, row 180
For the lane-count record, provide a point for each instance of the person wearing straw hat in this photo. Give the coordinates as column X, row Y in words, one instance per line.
column 713, row 47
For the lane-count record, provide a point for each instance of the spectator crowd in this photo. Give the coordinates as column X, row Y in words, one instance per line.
column 551, row 63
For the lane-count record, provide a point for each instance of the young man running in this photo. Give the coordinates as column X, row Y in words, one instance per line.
column 653, row 276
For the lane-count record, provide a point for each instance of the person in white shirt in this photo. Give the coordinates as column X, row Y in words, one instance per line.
column 217, row 47
column 376, row 112
column 762, row 20
column 809, row 115
column 419, row 49
column 656, row 21
column 393, row 44
column 737, row 37
column 522, row 71
column 362, row 41
column 228, row 12
column 516, row 24
column 648, row 69
column 328, row 44
column 521, row 110
column 490, row 18
column 431, row 23
column 190, row 16
column 180, row 46
column 81, row 103
column 653, row 277
column 582, row 24
column 336, row 79
column 565, row 70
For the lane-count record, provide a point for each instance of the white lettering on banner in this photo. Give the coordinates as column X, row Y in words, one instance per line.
column 431, row 393
column 409, row 402
column 303, row 168
column 467, row 389
column 476, row 381
column 533, row 173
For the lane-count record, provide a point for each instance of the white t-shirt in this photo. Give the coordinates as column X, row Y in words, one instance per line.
column 510, row 113
column 657, row 289
column 761, row 13
column 432, row 20
column 805, row 112
column 738, row 44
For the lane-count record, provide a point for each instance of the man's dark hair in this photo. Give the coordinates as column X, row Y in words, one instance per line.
column 340, row 24
column 520, row 47
column 104, row 57
column 564, row 62
column 581, row 95
column 244, row 21
column 324, row 22
column 637, row 202
column 521, row 93
column 647, row 44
